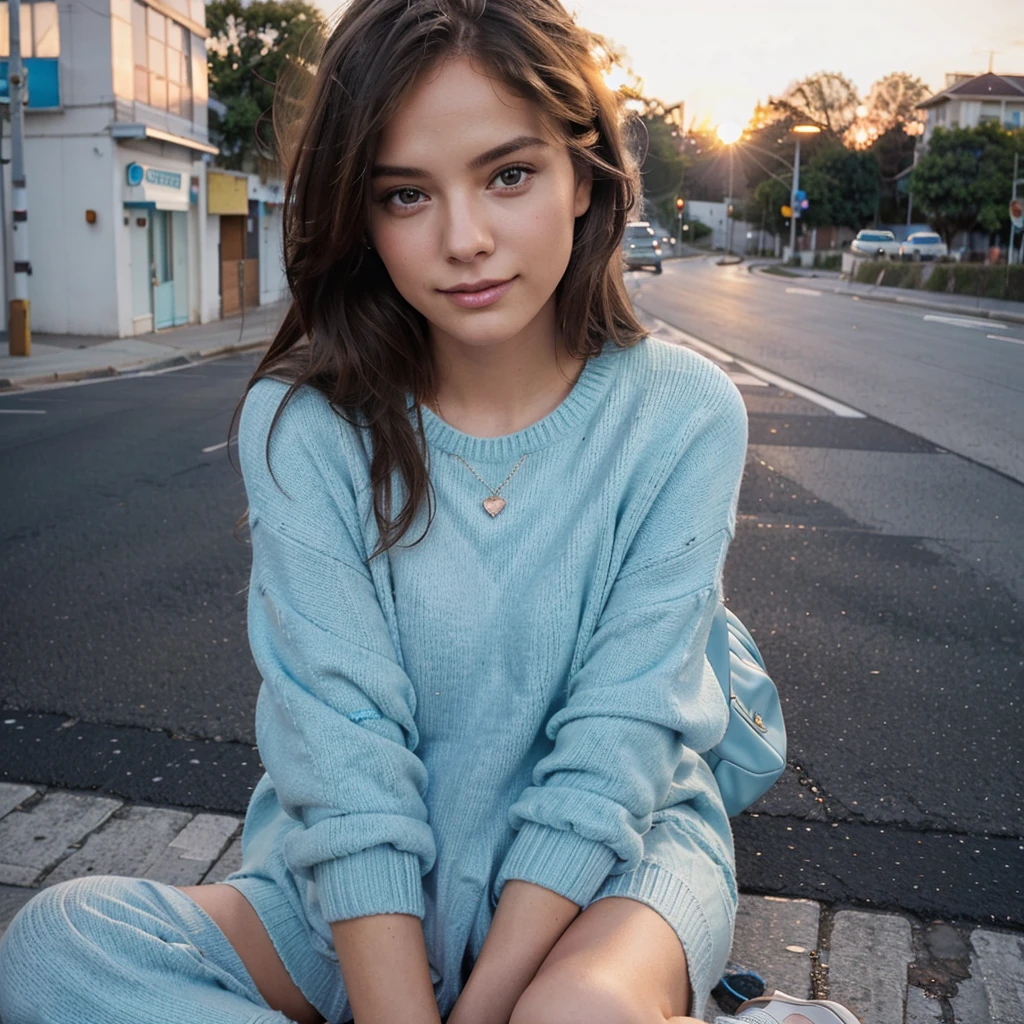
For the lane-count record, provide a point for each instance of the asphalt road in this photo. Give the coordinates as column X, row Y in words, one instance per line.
column 872, row 564
column 933, row 373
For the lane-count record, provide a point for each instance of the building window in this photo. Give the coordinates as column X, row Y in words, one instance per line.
column 40, row 31
column 163, row 61
column 139, row 49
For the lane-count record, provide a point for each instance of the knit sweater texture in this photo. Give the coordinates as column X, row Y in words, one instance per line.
column 517, row 697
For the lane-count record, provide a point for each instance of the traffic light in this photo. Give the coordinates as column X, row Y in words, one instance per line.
column 680, row 203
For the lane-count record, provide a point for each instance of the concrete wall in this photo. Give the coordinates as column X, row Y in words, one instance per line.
column 273, row 284
column 715, row 216
column 85, row 54
column 72, row 288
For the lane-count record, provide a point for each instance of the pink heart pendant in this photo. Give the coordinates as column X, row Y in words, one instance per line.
column 493, row 505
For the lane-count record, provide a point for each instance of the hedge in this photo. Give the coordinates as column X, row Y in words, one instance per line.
column 974, row 279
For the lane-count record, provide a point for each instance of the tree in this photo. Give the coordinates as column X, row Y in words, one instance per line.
column 826, row 99
column 963, row 180
column 842, row 186
column 250, row 48
column 891, row 106
column 769, row 198
column 653, row 133
column 663, row 169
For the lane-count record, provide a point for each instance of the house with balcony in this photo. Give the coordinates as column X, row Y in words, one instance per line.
column 970, row 100
column 123, row 236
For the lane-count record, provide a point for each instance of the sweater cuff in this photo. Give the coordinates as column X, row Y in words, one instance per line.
column 378, row 880
column 562, row 861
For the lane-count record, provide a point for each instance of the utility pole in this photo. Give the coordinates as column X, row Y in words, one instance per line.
column 19, row 329
column 794, row 208
column 728, row 209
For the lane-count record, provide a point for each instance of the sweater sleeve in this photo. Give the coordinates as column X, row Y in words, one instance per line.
column 334, row 717
column 641, row 694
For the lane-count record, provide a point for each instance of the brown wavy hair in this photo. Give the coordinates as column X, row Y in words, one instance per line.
column 348, row 333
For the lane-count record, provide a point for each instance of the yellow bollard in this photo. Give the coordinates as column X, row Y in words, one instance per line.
column 19, row 329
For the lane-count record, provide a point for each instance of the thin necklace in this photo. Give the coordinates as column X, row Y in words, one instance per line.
column 494, row 503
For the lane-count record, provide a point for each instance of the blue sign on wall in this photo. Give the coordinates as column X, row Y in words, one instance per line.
column 136, row 174
column 43, row 74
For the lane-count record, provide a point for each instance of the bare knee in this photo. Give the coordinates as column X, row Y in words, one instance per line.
column 560, row 996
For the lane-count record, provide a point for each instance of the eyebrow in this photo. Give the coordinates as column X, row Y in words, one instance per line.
column 505, row 149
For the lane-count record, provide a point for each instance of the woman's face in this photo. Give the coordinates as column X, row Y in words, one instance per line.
column 473, row 205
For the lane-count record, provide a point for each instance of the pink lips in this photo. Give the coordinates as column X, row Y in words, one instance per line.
column 476, row 296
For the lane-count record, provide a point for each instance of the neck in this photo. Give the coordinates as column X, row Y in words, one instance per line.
column 493, row 390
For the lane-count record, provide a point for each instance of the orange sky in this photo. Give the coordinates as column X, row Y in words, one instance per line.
column 720, row 58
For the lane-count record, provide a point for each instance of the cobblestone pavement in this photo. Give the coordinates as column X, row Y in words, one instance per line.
column 889, row 968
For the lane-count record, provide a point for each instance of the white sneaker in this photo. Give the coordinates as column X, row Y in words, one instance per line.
column 778, row 1008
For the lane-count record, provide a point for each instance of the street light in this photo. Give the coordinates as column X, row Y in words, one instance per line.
column 794, row 209
column 728, row 134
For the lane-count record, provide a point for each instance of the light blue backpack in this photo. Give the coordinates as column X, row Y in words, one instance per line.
column 752, row 754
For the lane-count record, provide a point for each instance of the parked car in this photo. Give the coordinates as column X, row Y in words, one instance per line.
column 872, row 242
column 640, row 247
column 923, row 245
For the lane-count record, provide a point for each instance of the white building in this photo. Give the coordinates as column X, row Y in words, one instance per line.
column 121, row 237
column 970, row 100
column 744, row 237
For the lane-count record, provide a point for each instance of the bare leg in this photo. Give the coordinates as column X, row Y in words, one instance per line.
column 242, row 927
column 619, row 962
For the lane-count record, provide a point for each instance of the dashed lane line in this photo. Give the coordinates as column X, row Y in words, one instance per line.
column 1003, row 337
column 802, row 291
column 23, row 412
column 964, row 321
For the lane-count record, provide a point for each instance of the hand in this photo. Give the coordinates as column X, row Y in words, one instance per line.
column 527, row 923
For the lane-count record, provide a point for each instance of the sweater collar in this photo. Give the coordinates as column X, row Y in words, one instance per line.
column 573, row 410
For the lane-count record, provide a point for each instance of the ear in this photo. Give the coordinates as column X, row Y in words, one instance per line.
column 584, row 186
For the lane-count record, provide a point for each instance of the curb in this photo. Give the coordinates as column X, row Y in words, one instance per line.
column 931, row 970
column 982, row 312
column 8, row 384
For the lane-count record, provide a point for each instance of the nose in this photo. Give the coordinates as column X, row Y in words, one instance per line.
column 468, row 232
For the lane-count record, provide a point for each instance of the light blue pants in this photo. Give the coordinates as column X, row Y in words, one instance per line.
column 107, row 950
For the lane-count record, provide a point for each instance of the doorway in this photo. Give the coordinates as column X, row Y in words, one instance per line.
column 239, row 261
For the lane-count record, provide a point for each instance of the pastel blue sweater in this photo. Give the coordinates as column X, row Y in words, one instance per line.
column 518, row 697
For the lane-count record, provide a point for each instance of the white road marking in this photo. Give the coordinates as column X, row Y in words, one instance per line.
column 1002, row 337
column 670, row 333
column 965, row 321
column 747, row 380
column 215, row 447
column 675, row 334
column 23, row 412
column 802, row 291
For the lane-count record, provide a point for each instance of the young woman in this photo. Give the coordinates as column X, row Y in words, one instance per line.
column 488, row 525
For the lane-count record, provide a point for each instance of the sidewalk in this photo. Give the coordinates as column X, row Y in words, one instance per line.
column 888, row 968
column 59, row 357
column 963, row 305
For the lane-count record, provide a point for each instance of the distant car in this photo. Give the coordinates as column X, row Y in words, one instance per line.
column 640, row 247
column 875, row 243
column 923, row 245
